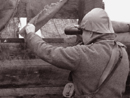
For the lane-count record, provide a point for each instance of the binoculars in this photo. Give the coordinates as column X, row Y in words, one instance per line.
column 73, row 31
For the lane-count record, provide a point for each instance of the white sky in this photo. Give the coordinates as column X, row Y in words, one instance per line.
column 118, row 10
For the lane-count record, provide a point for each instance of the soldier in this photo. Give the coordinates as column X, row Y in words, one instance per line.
column 89, row 63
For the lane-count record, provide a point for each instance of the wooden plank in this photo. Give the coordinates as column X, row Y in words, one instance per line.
column 71, row 10
column 31, row 91
column 34, row 92
column 30, row 9
column 21, row 40
column 15, row 64
column 11, row 40
column 31, row 73
column 11, row 49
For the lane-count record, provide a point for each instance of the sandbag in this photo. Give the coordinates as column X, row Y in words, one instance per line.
column 120, row 27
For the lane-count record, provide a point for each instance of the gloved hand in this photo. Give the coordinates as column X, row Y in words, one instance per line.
column 30, row 28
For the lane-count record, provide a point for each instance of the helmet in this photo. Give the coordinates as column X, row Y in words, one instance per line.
column 97, row 20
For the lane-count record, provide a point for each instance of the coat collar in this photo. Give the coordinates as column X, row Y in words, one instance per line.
column 110, row 36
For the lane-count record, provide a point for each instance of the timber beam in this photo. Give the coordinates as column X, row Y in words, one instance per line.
column 73, row 9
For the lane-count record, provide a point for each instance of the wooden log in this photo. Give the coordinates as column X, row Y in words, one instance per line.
column 21, row 40
column 72, row 10
column 18, row 72
column 31, row 73
column 31, row 78
column 14, row 48
column 30, row 9
column 31, row 91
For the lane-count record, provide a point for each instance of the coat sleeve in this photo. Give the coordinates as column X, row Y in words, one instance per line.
column 66, row 58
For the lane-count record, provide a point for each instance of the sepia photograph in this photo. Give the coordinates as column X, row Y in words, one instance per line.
column 64, row 49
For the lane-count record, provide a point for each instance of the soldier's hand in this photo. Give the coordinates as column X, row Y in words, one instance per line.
column 30, row 28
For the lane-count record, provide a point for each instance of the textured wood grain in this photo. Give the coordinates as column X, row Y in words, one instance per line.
column 74, row 9
column 31, row 91
column 31, row 73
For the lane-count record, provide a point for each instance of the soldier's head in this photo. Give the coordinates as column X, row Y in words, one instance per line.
column 94, row 23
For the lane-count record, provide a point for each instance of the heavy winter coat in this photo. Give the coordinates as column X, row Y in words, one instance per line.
column 87, row 63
